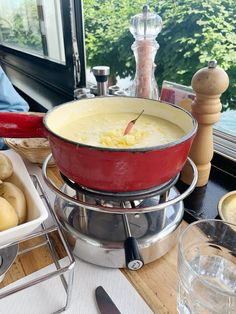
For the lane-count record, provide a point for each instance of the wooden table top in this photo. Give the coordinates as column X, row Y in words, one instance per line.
column 156, row 282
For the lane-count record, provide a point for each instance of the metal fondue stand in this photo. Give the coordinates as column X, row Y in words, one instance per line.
column 120, row 229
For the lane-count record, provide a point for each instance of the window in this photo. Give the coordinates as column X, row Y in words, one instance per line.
column 34, row 27
column 42, row 48
column 193, row 33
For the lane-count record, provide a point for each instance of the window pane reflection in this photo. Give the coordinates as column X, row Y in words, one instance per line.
column 33, row 26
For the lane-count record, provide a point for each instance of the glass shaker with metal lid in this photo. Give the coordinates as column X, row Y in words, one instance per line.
column 145, row 27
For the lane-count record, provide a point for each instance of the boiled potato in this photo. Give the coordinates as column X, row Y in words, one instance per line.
column 16, row 198
column 6, row 167
column 8, row 216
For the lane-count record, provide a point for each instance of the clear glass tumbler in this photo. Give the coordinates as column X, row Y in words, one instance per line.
column 207, row 268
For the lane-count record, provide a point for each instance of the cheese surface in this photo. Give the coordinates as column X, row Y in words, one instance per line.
column 107, row 130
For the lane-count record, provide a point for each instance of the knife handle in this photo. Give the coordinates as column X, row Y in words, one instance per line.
column 133, row 258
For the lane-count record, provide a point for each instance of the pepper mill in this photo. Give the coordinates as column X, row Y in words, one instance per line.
column 208, row 83
column 101, row 75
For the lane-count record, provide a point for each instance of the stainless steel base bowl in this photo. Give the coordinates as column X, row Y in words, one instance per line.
column 98, row 238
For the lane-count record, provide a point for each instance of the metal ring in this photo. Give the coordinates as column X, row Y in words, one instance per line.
column 117, row 210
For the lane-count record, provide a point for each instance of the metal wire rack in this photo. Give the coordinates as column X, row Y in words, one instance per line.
column 45, row 235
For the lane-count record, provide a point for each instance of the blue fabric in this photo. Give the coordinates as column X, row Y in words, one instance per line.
column 10, row 100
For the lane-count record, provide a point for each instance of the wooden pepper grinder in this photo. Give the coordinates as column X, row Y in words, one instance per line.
column 208, row 83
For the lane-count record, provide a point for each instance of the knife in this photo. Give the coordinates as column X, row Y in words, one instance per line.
column 104, row 302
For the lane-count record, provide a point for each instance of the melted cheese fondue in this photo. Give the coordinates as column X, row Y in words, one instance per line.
column 106, row 130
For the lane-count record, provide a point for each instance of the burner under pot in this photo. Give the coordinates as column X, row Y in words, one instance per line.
column 98, row 237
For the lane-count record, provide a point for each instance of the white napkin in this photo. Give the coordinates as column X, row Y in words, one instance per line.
column 49, row 296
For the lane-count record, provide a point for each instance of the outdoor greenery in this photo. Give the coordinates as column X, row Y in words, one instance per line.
column 193, row 33
column 21, row 27
column 24, row 36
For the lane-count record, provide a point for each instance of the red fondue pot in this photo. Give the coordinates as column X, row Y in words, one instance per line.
column 102, row 168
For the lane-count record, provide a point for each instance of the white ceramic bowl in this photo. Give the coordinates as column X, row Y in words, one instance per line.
column 36, row 210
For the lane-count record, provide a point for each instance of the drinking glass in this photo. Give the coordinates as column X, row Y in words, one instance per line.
column 207, row 268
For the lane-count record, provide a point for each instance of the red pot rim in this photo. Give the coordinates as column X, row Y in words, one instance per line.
column 139, row 149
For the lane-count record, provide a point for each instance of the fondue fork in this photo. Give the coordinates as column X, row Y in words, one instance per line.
column 131, row 124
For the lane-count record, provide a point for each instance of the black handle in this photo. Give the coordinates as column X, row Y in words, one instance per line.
column 134, row 260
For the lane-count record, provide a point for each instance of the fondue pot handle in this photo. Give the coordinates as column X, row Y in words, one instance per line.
column 20, row 125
